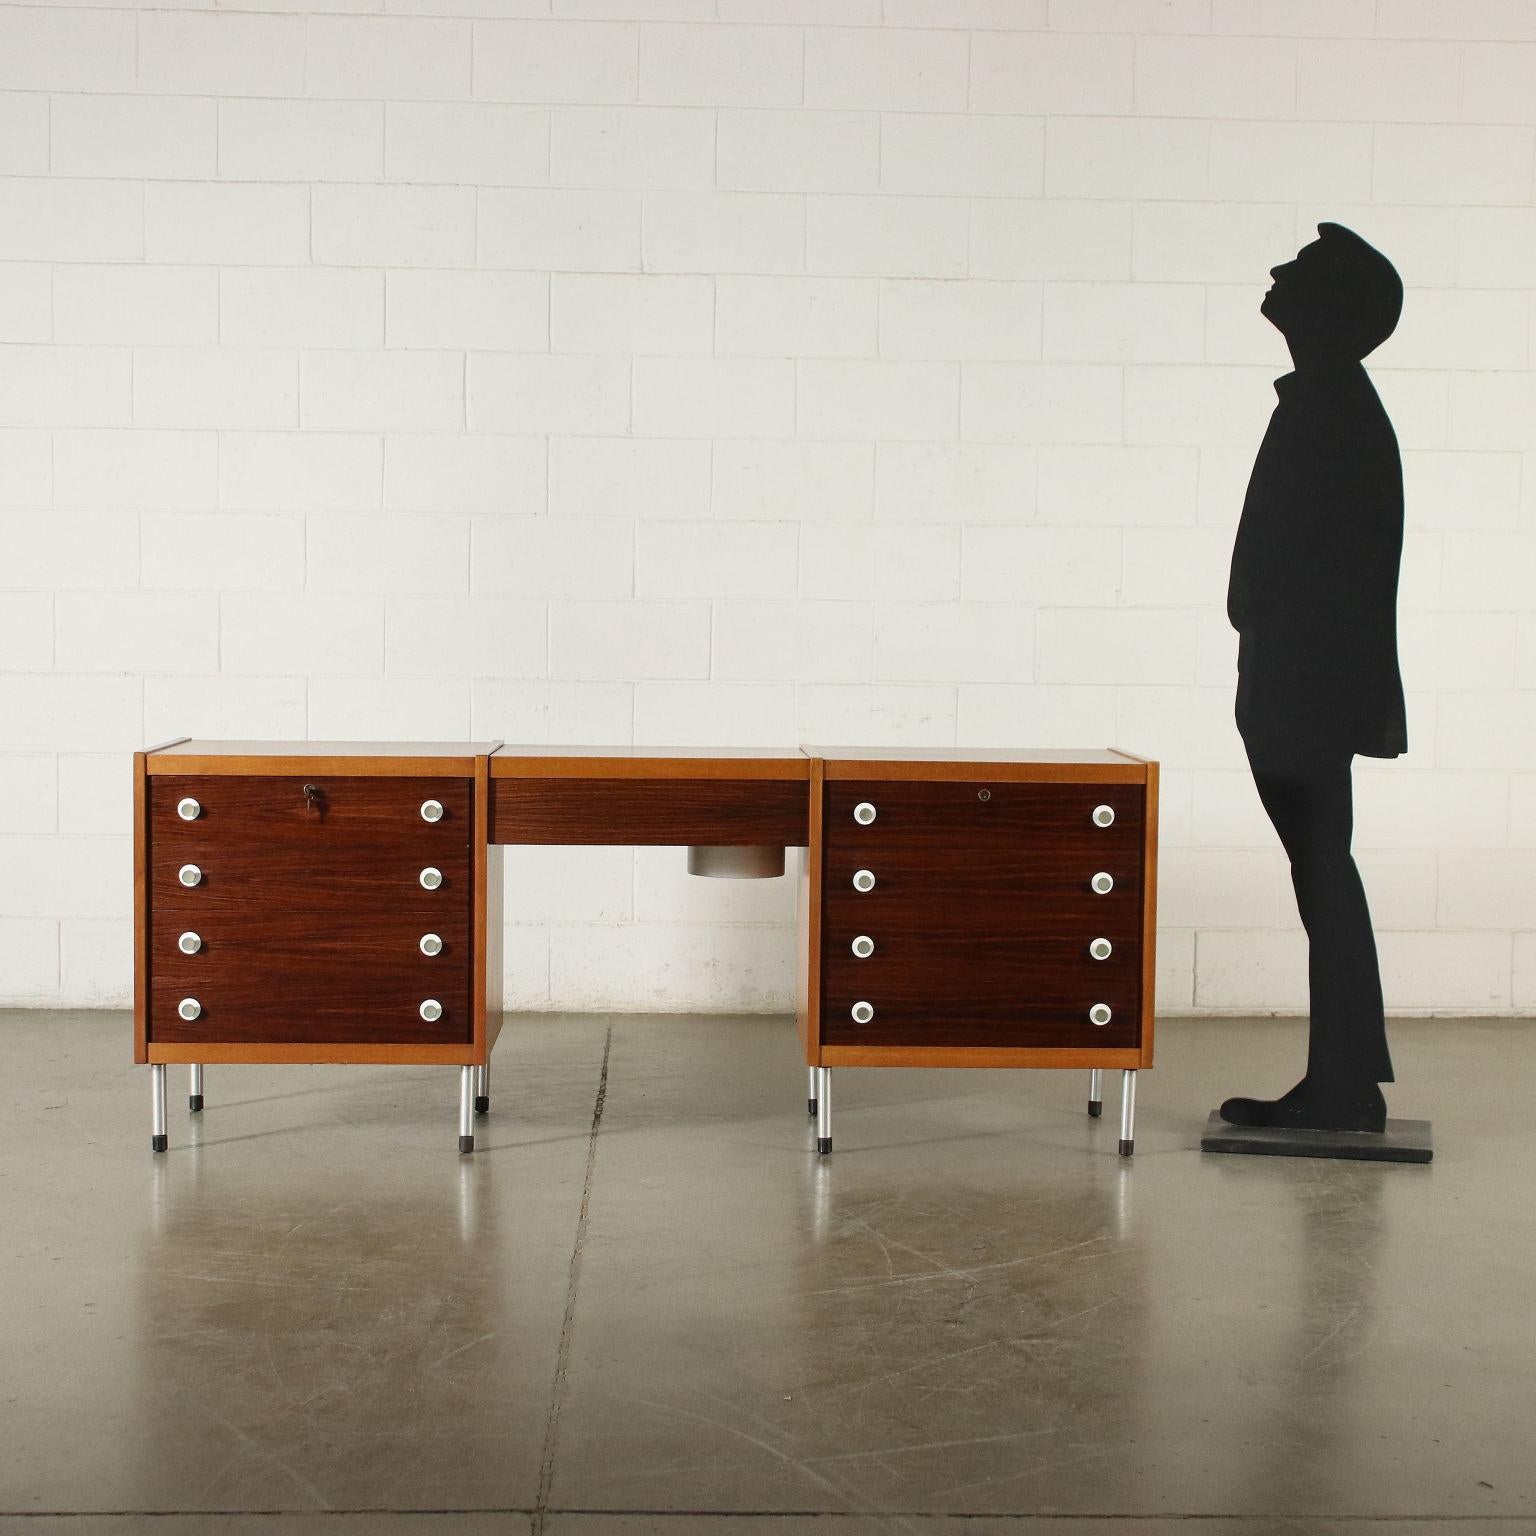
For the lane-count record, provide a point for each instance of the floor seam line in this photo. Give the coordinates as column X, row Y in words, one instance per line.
column 568, row 1320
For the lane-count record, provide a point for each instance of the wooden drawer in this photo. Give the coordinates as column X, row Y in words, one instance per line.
column 982, row 914
column 310, row 910
column 670, row 812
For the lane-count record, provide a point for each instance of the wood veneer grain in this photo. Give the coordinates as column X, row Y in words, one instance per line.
column 670, row 812
column 1149, row 916
column 981, row 914
column 808, row 920
column 310, row 910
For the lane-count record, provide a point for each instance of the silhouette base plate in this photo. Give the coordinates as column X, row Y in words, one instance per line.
column 1403, row 1141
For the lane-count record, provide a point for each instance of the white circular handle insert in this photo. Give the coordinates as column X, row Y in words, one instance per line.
column 863, row 1012
column 189, row 943
column 431, row 1010
column 863, row 946
column 431, row 810
column 190, row 875
column 1101, row 949
column 431, row 944
column 431, row 878
column 1099, row 1014
column 1103, row 883
column 189, row 1008
column 1103, row 815
column 188, row 809
column 863, row 813
column 863, row 879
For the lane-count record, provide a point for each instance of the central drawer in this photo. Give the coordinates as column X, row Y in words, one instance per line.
column 630, row 811
column 966, row 914
column 308, row 917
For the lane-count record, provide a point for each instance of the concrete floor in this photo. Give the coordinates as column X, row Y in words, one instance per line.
column 645, row 1306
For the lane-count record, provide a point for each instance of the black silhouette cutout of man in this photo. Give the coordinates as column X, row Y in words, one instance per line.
column 1313, row 597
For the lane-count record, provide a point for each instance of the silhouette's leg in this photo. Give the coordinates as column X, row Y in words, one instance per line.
column 810, row 1091
column 1347, row 1046
column 1127, row 1113
column 823, row 1109
column 483, row 1089
column 1309, row 801
column 1096, row 1092
column 195, row 1090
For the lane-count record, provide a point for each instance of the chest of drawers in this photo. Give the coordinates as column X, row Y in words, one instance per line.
column 985, row 909
column 306, row 902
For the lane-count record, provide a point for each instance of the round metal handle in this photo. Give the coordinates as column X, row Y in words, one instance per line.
column 431, row 1010
column 1101, row 949
column 1103, row 815
column 1103, row 883
column 863, row 879
column 189, row 875
column 431, row 878
column 189, row 1008
column 863, row 813
column 863, row 1012
column 431, row 810
column 188, row 809
column 1099, row 1014
column 863, row 946
column 431, row 944
column 189, row 943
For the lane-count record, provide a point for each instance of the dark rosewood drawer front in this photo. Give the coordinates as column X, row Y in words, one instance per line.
column 270, row 817
column 982, row 913
column 669, row 812
column 309, row 912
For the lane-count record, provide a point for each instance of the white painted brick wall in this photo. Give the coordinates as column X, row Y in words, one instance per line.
column 745, row 371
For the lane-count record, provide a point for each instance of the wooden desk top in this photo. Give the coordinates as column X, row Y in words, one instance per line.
column 542, row 761
column 393, row 759
column 1035, row 764
column 972, row 754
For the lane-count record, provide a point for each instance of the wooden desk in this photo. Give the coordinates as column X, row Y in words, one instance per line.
column 333, row 902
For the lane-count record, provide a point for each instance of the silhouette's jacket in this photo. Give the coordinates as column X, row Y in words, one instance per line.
column 1313, row 597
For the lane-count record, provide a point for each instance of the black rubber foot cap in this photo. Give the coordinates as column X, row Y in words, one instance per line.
column 466, row 1143
column 810, row 1106
column 158, row 1143
column 1126, row 1148
column 195, row 1103
column 482, row 1104
column 1095, row 1107
column 823, row 1144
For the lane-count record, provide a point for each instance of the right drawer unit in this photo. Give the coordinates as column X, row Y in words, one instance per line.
column 982, row 913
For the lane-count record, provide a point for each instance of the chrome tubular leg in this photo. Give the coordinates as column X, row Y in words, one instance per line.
column 823, row 1109
column 466, row 1109
column 195, row 1089
column 1096, row 1091
column 158, row 1140
column 810, row 1091
column 483, row 1089
column 1127, row 1113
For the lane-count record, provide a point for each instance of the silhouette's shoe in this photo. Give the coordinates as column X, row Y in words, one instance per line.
column 1310, row 1108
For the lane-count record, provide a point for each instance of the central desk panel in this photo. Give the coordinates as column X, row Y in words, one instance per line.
column 626, row 796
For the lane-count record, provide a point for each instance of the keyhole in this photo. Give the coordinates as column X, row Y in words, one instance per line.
column 983, row 794
column 314, row 798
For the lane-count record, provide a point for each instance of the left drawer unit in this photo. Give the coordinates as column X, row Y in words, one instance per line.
column 296, row 908
column 315, row 902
